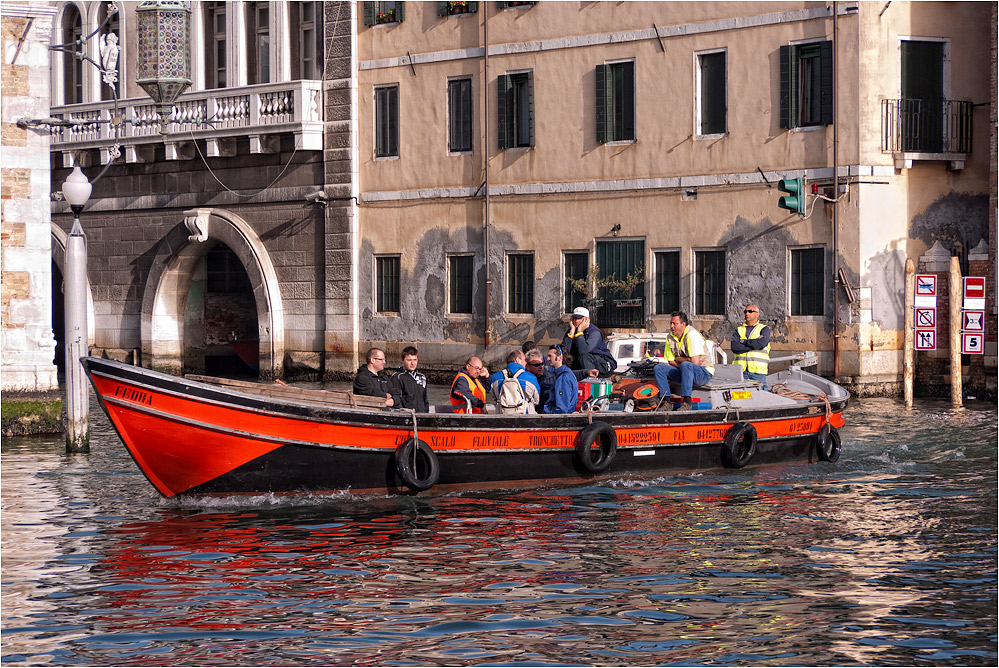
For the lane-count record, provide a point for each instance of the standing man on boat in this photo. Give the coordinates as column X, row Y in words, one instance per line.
column 587, row 346
column 565, row 389
column 370, row 380
column 751, row 346
column 689, row 365
column 467, row 387
column 408, row 386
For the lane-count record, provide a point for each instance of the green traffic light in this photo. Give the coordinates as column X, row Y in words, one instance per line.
column 795, row 198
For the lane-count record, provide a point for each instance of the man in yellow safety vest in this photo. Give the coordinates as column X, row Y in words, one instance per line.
column 751, row 346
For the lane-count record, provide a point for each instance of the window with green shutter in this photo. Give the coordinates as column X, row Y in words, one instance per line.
column 615, row 90
column 515, row 110
column 511, row 4
column 709, row 293
column 384, row 12
column 520, row 283
column 459, row 101
column 667, row 281
column 807, row 281
column 456, row 7
column 387, row 284
column 712, row 96
column 460, row 280
column 806, row 84
column 387, row 121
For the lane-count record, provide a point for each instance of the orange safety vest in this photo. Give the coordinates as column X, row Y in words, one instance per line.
column 477, row 390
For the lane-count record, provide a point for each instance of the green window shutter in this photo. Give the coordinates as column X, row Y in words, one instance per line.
column 530, row 105
column 400, row 11
column 504, row 121
column 473, row 7
column 442, row 9
column 500, row 5
column 369, row 13
column 628, row 105
column 785, row 87
column 602, row 103
column 826, row 77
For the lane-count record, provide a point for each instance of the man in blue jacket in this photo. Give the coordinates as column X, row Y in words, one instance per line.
column 565, row 391
column 586, row 344
column 528, row 381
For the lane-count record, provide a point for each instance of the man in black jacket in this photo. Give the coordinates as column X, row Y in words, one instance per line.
column 409, row 387
column 370, row 381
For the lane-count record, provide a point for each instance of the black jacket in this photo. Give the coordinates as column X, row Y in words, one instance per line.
column 370, row 385
column 409, row 390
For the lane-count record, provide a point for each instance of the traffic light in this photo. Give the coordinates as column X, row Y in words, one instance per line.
column 794, row 200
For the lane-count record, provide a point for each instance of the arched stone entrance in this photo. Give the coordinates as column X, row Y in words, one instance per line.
column 164, row 300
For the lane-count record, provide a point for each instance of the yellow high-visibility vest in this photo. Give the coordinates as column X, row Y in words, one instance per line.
column 755, row 361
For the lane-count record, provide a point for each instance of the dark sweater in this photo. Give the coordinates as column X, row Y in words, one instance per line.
column 409, row 390
column 369, row 384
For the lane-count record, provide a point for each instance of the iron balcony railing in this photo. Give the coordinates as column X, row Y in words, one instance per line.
column 263, row 109
column 926, row 126
column 619, row 312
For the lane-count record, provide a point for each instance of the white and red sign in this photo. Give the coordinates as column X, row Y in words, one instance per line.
column 926, row 317
column 972, row 344
column 974, row 293
column 973, row 321
column 926, row 290
column 926, row 339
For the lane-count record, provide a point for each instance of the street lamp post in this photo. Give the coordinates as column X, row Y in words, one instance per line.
column 76, row 190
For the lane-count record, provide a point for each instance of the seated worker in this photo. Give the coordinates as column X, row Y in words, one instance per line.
column 565, row 389
column 546, row 377
column 468, row 386
column 408, row 386
column 689, row 365
column 524, row 401
column 371, row 380
column 586, row 344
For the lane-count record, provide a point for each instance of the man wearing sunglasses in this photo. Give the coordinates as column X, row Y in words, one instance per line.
column 751, row 346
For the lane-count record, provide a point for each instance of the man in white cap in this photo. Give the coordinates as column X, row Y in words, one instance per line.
column 587, row 346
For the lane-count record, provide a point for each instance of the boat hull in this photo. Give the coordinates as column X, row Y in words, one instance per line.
column 193, row 438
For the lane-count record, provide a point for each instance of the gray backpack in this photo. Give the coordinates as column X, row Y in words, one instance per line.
column 511, row 397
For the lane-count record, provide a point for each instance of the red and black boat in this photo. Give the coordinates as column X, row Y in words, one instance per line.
column 194, row 437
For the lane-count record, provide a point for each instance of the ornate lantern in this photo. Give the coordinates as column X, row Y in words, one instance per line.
column 164, row 59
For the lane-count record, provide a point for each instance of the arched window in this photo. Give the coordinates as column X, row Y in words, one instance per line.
column 72, row 71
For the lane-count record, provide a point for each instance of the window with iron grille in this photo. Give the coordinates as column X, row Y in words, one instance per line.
column 459, row 101
column 709, row 295
column 460, row 279
column 520, row 283
column 225, row 273
column 387, row 121
column 711, row 93
column 515, row 110
column 577, row 267
column 807, row 281
column 387, row 284
column 616, row 102
column 806, row 85
column 667, row 281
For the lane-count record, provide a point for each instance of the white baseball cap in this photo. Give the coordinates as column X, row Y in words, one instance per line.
column 580, row 312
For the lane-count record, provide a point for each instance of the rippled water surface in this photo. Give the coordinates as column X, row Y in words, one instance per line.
column 887, row 557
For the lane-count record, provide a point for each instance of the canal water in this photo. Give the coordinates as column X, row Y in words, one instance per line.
column 887, row 557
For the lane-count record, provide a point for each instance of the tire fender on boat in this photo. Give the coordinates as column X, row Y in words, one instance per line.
column 413, row 458
column 740, row 445
column 587, row 436
column 828, row 443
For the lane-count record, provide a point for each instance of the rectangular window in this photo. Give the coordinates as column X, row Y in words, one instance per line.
column 515, row 110
column 807, row 281
column 667, row 281
column 215, row 53
column 616, row 102
column 577, row 269
column 461, row 283
column 710, row 278
column 806, row 85
column 262, row 43
column 456, row 7
column 459, row 101
column 387, row 284
column 520, row 283
column 383, row 12
column 711, row 93
column 304, row 41
column 386, row 121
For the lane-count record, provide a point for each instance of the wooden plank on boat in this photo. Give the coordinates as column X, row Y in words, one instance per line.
column 326, row 397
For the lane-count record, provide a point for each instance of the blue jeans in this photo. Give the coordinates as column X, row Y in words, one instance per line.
column 689, row 374
column 762, row 377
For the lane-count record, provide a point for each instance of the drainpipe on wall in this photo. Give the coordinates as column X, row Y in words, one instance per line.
column 485, row 159
column 835, row 211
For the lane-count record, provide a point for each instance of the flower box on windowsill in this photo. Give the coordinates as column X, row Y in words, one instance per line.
column 457, row 8
column 386, row 17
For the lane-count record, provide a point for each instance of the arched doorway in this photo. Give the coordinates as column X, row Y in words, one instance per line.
column 189, row 328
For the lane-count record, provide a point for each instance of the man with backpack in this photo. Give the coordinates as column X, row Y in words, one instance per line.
column 515, row 390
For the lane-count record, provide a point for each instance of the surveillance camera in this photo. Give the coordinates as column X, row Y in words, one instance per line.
column 318, row 196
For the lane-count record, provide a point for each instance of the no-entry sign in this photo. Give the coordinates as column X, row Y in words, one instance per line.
column 974, row 292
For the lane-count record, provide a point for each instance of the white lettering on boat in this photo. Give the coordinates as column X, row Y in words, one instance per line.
column 133, row 395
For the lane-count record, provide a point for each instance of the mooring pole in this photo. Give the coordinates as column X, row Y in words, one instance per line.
column 909, row 334
column 956, row 382
column 77, row 397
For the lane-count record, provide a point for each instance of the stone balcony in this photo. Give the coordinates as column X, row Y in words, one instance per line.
column 218, row 117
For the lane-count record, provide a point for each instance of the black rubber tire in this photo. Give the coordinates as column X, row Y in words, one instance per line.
column 828, row 443
column 584, row 446
column 740, row 445
column 417, row 465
